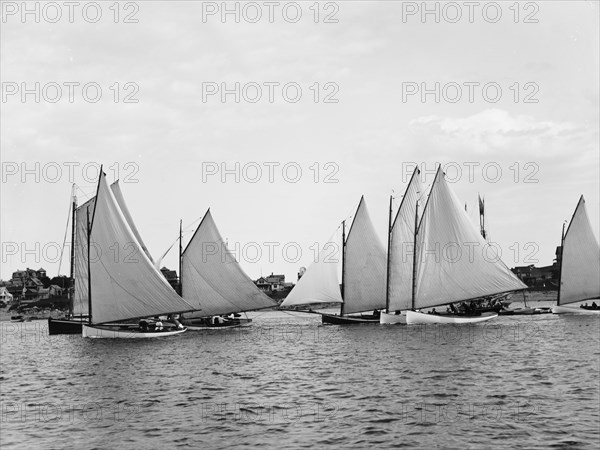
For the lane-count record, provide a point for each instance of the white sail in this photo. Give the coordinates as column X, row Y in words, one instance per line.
column 80, row 268
column 211, row 275
column 124, row 282
column 580, row 270
column 401, row 247
column 320, row 282
column 116, row 190
column 455, row 263
column 365, row 265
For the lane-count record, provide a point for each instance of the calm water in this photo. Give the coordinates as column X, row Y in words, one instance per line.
column 288, row 382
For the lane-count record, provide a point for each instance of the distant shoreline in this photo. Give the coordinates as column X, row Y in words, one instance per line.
column 532, row 295
column 5, row 315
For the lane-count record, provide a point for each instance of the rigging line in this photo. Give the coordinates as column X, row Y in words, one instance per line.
column 171, row 246
column 425, row 190
column 87, row 196
column 192, row 223
column 62, row 249
column 188, row 229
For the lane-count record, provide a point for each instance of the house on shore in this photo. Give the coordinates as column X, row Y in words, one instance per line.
column 273, row 283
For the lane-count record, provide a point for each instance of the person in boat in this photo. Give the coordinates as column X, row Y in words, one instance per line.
column 453, row 308
column 584, row 306
column 158, row 326
column 375, row 313
column 398, row 312
column 218, row 320
column 175, row 320
column 433, row 311
column 594, row 306
column 143, row 325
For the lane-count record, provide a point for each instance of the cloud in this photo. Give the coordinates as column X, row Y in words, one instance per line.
column 497, row 129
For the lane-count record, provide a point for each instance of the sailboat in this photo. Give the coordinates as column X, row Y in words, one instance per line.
column 69, row 324
column 451, row 261
column 210, row 274
column 319, row 283
column 363, row 275
column 122, row 285
column 579, row 271
column 78, row 293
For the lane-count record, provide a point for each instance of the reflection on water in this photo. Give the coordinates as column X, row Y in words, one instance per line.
column 289, row 382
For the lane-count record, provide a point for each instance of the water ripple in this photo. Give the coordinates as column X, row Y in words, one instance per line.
column 288, row 382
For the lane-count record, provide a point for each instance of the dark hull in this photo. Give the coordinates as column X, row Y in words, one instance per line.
column 495, row 308
column 348, row 320
column 64, row 326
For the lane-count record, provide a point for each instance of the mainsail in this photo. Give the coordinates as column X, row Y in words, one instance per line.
column 402, row 237
column 580, row 260
column 211, row 275
column 365, row 265
column 80, row 267
column 124, row 282
column 80, row 270
column 455, row 263
column 320, row 283
column 116, row 190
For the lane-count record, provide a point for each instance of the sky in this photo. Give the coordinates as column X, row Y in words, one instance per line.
column 280, row 122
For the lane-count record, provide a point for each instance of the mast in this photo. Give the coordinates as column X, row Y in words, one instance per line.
column 180, row 257
column 89, row 234
column 71, row 279
column 343, row 264
column 562, row 249
column 414, row 274
column 387, row 280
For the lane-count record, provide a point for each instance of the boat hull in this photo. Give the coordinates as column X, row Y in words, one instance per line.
column 199, row 325
column 108, row 332
column 64, row 326
column 392, row 319
column 225, row 326
column 417, row 318
column 574, row 310
column 519, row 312
column 348, row 320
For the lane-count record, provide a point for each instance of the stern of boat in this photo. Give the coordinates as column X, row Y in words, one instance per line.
column 392, row 319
